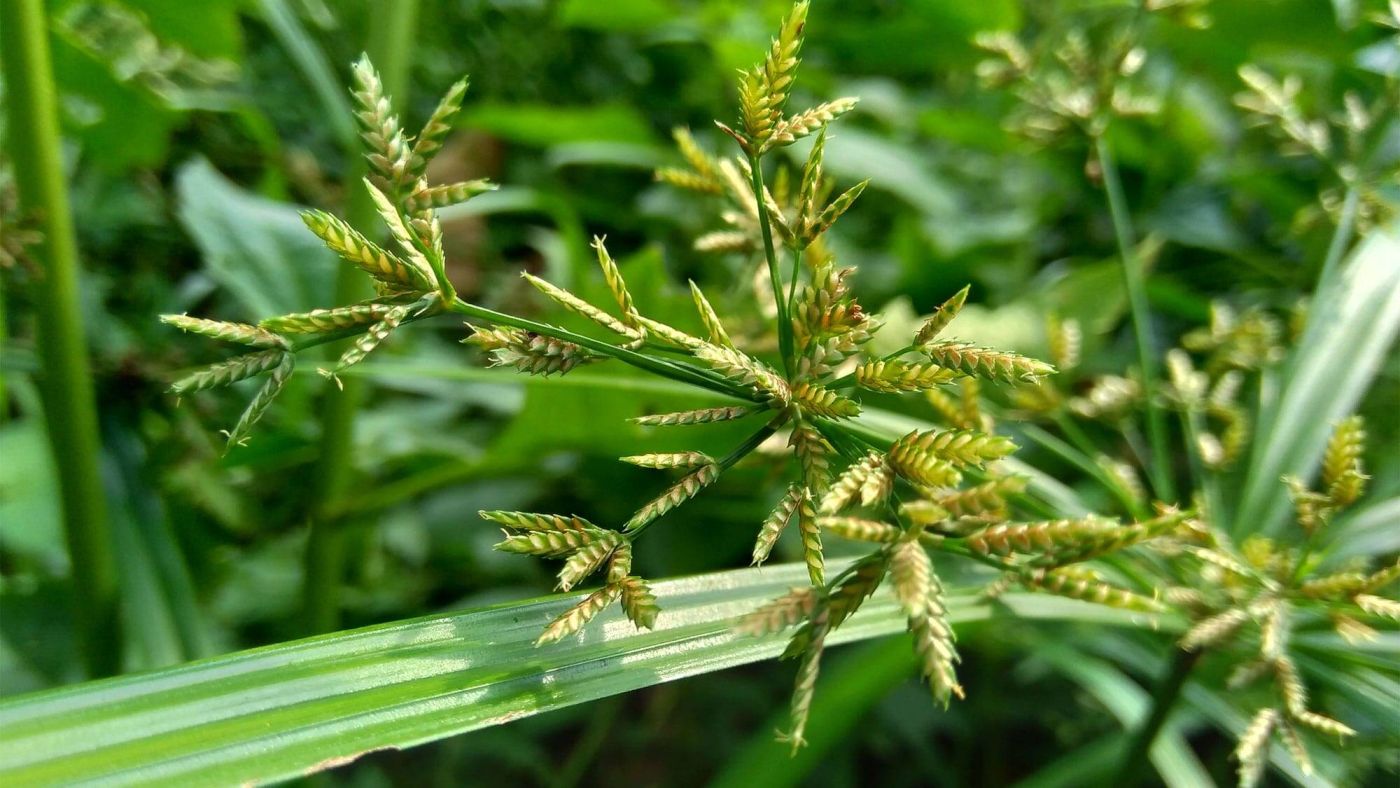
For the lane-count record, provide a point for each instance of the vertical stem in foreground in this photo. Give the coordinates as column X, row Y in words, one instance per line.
column 1130, row 769
column 389, row 41
column 1160, row 472
column 69, row 401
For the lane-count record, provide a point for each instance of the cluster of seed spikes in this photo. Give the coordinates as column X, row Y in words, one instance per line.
column 410, row 280
column 1252, row 594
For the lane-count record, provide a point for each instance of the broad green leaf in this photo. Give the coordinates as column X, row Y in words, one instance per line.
column 543, row 124
column 315, row 68
column 295, row 708
column 619, row 15
column 1351, row 328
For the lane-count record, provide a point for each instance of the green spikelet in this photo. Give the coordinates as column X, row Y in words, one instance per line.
column 679, row 459
column 533, row 354
column 701, row 416
column 860, row 530
column 675, row 336
column 587, row 559
column 427, row 198
column 834, row 211
column 813, row 638
column 786, row 611
column 795, row 127
column 809, row 527
column 868, row 481
column 436, row 129
column 813, row 454
column 1086, row 585
column 262, row 400
column 531, row 521
column 1046, row 537
column 373, row 337
column 987, row 363
column 237, row 333
column 354, row 248
column 573, row 619
column 824, row 402
column 934, row 645
column 987, row 497
column 851, row 593
column 1342, row 474
column 226, row 372
column 1378, row 606
column 1252, row 750
column 580, row 307
column 709, row 318
column 388, row 153
column 896, row 376
column 774, row 525
column 612, row 276
column 746, row 369
column 549, row 544
column 764, row 89
column 941, row 317
column 678, row 494
column 323, row 321
column 1214, row 630
column 1066, row 340
column 959, row 447
column 810, row 186
column 921, row 466
column 638, row 602
column 911, row 572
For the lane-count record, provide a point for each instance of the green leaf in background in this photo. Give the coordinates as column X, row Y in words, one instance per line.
column 291, row 709
column 1351, row 329
column 257, row 249
column 616, row 15
column 544, row 124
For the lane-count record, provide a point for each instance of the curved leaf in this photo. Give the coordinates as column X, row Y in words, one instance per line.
column 278, row 712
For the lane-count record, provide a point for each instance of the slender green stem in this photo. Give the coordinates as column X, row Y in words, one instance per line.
column 389, row 45
column 674, row 370
column 796, row 274
column 69, row 401
column 1160, row 473
column 1130, row 769
column 1341, row 237
column 766, row 229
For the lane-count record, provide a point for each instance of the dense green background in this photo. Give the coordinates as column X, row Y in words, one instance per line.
column 185, row 190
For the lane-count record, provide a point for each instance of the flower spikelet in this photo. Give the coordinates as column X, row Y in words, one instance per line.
column 678, row 494
column 679, row 459
column 746, row 369
column 700, row 416
column 237, row 333
column 573, row 619
column 775, row 523
column 787, row 610
column 868, row 481
column 321, row 321
column 860, row 529
column 941, row 317
column 638, row 602
column 263, row 399
column 986, row 362
column 354, row 248
column 824, row 402
column 587, row 559
column 230, row 371
column 896, row 376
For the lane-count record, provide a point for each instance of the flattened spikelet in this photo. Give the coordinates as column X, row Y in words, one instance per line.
column 933, row 645
column 814, row 455
column 322, row 321
column 779, row 614
column 612, row 276
column 534, row 354
column 1294, row 744
column 1342, row 475
column 846, row 598
column 679, row 459
column 987, row 497
column 238, row 333
column 354, row 248
column 638, row 602
column 587, row 559
column 834, row 211
column 675, row 336
column 960, row 447
column 896, row 376
column 1252, row 750
column 713, row 325
column 1214, row 630
column 1044, row 537
column 912, row 575
column 824, row 402
column 230, row 371
column 578, row 306
column 373, row 337
column 806, row 685
column 1323, row 724
column 387, row 150
column 764, row 89
column 1378, row 606
column 795, row 127
column 429, row 197
column 986, row 362
column 531, row 521
column 573, row 619
column 941, row 317
column 1087, row 586
column 868, row 481
column 262, row 400
column 549, row 544
column 860, row 529
column 745, row 369
column 701, row 416
column 775, row 523
column 678, row 494
column 436, row 129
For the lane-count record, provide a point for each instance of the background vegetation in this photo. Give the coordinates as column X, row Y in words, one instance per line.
column 191, row 138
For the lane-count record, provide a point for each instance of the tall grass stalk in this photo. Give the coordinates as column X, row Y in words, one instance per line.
column 69, row 402
column 1160, row 472
column 389, row 40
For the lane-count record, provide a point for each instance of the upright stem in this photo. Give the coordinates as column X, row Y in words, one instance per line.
column 69, row 402
column 1163, row 700
column 389, row 42
column 1160, row 472
column 771, row 256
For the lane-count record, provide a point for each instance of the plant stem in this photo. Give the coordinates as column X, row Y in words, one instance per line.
column 765, row 228
column 1168, row 690
column 389, row 41
column 69, row 401
column 1160, row 472
column 1341, row 237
